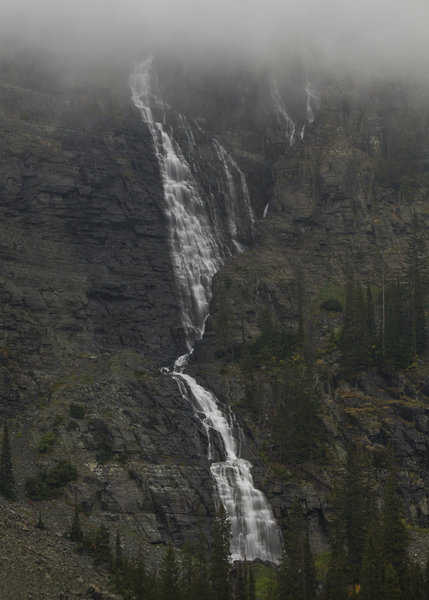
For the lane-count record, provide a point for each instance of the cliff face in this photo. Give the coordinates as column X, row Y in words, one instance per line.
column 89, row 307
column 85, row 266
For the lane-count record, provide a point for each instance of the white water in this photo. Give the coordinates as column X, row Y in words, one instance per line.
column 281, row 112
column 198, row 250
column 255, row 533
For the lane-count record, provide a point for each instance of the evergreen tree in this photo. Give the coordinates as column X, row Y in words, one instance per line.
column 139, row 580
column 371, row 326
column 296, row 576
column 297, row 427
column 416, row 583
column 356, row 498
column 220, row 566
column 426, row 579
column 252, row 586
column 337, row 578
column 170, row 576
column 102, row 552
column 76, row 533
column 241, row 581
column 223, row 317
column 7, row 480
column 398, row 351
column 392, row 589
column 371, row 575
column 416, row 258
column 119, row 559
column 40, row 524
column 336, row 585
column 394, row 534
column 354, row 342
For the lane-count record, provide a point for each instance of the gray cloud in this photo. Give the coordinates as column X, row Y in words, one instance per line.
column 374, row 35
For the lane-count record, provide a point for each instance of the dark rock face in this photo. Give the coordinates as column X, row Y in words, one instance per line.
column 85, row 263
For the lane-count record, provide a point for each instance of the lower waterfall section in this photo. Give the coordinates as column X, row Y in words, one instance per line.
column 200, row 242
column 254, row 530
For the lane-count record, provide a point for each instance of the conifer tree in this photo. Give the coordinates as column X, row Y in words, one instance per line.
column 119, row 559
column 356, row 504
column 394, row 534
column 7, row 480
column 371, row 575
column 336, row 585
column 252, row 585
column 170, row 576
column 139, row 580
column 371, row 326
column 416, row 583
column 426, row 578
column 241, row 582
column 354, row 343
column 220, row 566
column 416, row 258
column 76, row 533
column 296, row 573
column 392, row 589
column 102, row 552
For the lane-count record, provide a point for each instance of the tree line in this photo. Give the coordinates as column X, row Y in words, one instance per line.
column 387, row 331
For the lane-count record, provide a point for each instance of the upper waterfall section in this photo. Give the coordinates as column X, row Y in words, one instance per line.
column 207, row 203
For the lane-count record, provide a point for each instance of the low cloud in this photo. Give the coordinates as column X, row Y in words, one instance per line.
column 368, row 35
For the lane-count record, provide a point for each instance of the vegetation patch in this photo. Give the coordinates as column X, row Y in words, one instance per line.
column 77, row 411
column 46, row 442
column 49, row 484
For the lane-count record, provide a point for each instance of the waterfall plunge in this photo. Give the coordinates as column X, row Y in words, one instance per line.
column 198, row 250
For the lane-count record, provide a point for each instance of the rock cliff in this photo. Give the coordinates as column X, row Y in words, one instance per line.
column 89, row 308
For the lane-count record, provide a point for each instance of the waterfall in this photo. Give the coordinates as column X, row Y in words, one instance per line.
column 198, row 250
column 281, row 112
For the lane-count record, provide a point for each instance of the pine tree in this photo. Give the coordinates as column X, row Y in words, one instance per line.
column 40, row 524
column 296, row 576
column 138, row 581
column 398, row 351
column 76, row 533
column 392, row 589
column 252, row 585
column 337, row 578
column 241, row 582
column 170, row 576
column 394, row 534
column 220, row 566
column 119, row 559
column 356, row 506
column 102, row 552
column 416, row 583
column 354, row 343
column 416, row 258
column 336, row 585
column 371, row 575
column 371, row 325
column 7, row 480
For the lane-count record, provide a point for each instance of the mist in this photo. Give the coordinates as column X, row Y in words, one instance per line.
column 369, row 36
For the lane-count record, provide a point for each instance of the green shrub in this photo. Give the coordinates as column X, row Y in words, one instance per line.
column 77, row 411
column 46, row 442
column 49, row 484
column 331, row 305
column 104, row 453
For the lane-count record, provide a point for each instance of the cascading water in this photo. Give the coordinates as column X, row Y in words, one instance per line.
column 198, row 250
column 312, row 102
column 281, row 112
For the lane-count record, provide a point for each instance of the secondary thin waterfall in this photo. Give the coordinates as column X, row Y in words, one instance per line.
column 198, row 250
